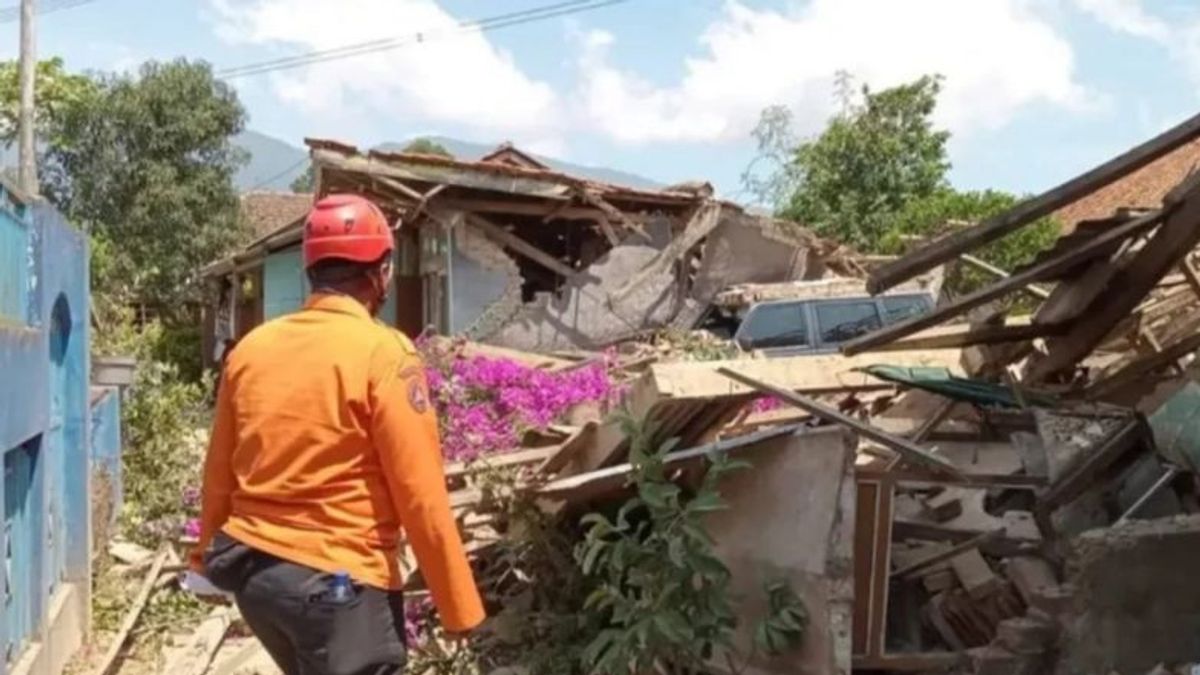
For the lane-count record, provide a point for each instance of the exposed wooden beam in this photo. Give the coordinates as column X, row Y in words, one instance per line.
column 946, row 337
column 947, row 248
column 518, row 245
column 547, row 210
column 951, row 552
column 1177, row 236
column 1189, row 274
column 1063, row 261
column 612, row 212
column 700, row 225
column 983, row 265
column 1137, row 369
column 902, row 446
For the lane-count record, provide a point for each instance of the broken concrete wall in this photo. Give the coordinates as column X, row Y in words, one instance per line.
column 583, row 315
column 589, row 312
column 485, row 284
column 791, row 518
column 1135, row 597
column 747, row 249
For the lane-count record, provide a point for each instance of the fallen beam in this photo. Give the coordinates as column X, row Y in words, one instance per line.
column 699, row 226
column 131, row 616
column 1063, row 261
column 902, row 446
column 1179, row 234
column 983, row 265
column 947, row 248
column 1140, row 367
column 949, row 337
column 518, row 245
column 947, row 554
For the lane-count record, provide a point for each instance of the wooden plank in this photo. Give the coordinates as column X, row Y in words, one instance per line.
column 947, row 248
column 902, row 446
column 1063, row 261
column 985, row 266
column 519, row 245
column 1189, row 273
column 197, row 656
column 570, row 447
column 1178, row 235
column 131, row 616
column 949, row 337
column 528, row 456
column 1133, row 371
column 703, row 222
column 612, row 212
column 548, row 209
column 1082, row 477
column 947, row 554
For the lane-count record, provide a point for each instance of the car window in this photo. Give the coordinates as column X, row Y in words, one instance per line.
column 841, row 321
column 899, row 308
column 774, row 325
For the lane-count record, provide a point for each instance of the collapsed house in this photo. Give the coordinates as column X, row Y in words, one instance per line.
column 507, row 252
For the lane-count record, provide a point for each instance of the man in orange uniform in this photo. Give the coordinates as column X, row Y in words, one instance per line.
column 324, row 445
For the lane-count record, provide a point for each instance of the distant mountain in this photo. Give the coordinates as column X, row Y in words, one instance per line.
column 274, row 164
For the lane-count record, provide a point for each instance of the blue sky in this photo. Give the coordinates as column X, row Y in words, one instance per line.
column 1035, row 91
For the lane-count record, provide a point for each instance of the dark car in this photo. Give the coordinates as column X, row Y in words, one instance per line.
column 793, row 327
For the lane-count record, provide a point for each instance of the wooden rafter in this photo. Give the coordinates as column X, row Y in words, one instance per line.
column 1063, row 261
column 518, row 245
column 1178, row 235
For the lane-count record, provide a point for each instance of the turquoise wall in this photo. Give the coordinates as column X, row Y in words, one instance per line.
column 285, row 287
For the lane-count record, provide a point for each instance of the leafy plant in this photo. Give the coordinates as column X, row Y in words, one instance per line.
column 785, row 623
column 662, row 592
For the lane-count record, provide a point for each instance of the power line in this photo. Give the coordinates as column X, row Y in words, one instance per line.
column 490, row 23
column 10, row 14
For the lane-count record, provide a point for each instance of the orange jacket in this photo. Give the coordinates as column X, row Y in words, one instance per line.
column 324, row 444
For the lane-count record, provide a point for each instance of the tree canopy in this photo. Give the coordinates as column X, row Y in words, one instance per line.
column 876, row 177
column 58, row 94
column 146, row 168
column 305, row 182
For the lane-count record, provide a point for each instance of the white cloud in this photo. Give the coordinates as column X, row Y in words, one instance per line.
column 997, row 57
column 1180, row 36
column 1127, row 16
column 458, row 78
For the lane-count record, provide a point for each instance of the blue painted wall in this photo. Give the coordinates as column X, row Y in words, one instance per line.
column 44, row 415
column 105, row 442
column 285, row 287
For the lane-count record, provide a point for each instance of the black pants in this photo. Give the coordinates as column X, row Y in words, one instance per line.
column 288, row 608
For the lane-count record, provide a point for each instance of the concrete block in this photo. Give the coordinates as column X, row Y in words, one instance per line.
column 1055, row 601
column 1030, row 574
column 1026, row 635
column 975, row 574
column 945, row 505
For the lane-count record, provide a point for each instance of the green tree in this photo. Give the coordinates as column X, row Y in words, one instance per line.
column 146, row 168
column 58, row 94
column 426, row 146
column 876, row 155
column 933, row 215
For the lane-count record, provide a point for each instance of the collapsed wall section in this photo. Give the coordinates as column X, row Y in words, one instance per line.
column 596, row 309
column 486, row 284
column 1135, row 597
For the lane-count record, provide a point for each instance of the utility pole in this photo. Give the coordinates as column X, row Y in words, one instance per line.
column 27, row 171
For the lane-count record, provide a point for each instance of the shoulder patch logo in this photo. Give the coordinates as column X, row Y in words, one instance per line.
column 417, row 397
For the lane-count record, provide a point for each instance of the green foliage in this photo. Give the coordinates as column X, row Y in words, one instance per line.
column 163, row 417
column 661, row 592
column 785, row 623
column 872, row 159
column 305, row 182
column 426, row 146
column 926, row 217
column 59, row 94
column 146, row 168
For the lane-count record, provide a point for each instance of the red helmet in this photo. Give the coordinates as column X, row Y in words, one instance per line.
column 348, row 227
